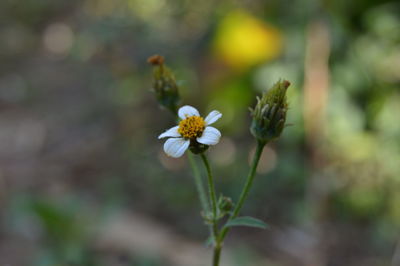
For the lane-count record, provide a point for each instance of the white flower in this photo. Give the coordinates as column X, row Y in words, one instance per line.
column 192, row 127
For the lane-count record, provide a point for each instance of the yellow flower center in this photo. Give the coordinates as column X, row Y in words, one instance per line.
column 191, row 127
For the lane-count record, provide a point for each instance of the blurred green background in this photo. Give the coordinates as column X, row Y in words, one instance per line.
column 84, row 180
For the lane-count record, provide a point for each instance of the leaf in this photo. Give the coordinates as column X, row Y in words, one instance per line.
column 246, row 221
column 209, row 241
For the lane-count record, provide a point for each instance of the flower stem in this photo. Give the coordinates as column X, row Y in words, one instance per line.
column 211, row 192
column 199, row 183
column 217, row 254
column 213, row 199
column 249, row 180
column 242, row 198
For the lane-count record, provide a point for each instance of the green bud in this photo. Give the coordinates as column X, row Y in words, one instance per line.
column 164, row 84
column 225, row 204
column 269, row 114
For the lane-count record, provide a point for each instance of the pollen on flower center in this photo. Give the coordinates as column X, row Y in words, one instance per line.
column 191, row 127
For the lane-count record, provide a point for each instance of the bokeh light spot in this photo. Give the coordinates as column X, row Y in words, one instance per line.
column 268, row 160
column 224, row 153
column 58, row 38
column 243, row 40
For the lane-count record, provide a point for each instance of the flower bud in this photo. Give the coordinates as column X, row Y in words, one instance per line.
column 164, row 84
column 269, row 114
column 225, row 204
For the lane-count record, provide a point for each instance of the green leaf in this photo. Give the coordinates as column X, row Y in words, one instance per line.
column 209, row 241
column 246, row 221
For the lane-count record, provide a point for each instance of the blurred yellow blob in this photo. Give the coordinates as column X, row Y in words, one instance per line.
column 243, row 41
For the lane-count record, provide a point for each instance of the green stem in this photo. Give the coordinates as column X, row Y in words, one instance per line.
column 213, row 199
column 211, row 192
column 199, row 183
column 217, row 254
column 249, row 181
column 245, row 191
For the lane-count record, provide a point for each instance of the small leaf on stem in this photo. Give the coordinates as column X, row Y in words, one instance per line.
column 246, row 221
column 209, row 241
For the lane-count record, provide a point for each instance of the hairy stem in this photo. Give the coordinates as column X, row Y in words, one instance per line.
column 213, row 199
column 211, row 192
column 199, row 183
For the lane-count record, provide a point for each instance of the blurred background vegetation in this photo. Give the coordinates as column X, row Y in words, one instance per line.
column 84, row 180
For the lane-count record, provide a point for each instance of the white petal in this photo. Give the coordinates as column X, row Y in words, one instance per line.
column 210, row 136
column 212, row 117
column 175, row 147
column 172, row 132
column 186, row 111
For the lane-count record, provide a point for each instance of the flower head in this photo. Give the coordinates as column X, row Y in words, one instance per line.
column 269, row 114
column 192, row 132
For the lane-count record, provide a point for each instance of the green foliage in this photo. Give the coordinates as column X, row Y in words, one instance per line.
column 246, row 221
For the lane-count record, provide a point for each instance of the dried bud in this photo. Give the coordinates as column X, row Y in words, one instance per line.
column 156, row 60
column 269, row 114
column 164, row 84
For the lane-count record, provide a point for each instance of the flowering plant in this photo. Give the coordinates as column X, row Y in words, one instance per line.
column 195, row 133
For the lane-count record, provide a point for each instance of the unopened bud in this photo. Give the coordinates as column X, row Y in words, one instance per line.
column 225, row 204
column 164, row 84
column 269, row 114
